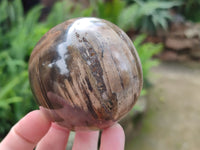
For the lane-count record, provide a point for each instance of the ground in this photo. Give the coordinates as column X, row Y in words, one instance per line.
column 172, row 120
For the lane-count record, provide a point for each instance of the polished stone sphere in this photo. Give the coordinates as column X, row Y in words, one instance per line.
column 85, row 74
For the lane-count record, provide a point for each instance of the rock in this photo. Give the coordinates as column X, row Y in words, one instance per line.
column 183, row 39
column 181, row 44
column 154, row 39
column 179, row 27
column 193, row 32
column 178, row 34
column 169, row 56
column 183, row 57
column 195, row 53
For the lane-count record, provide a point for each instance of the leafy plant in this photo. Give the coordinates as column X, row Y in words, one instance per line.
column 109, row 10
column 146, row 15
column 19, row 33
column 190, row 10
column 66, row 10
column 146, row 51
column 17, row 40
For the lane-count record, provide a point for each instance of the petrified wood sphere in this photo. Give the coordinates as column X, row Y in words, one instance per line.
column 85, row 74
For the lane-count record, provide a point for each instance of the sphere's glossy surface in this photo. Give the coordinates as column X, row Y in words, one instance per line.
column 85, row 74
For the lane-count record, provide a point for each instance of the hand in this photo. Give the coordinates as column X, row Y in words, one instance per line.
column 34, row 130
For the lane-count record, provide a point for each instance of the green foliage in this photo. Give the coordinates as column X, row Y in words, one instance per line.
column 110, row 10
column 190, row 9
column 146, row 51
column 17, row 39
column 66, row 10
column 146, row 15
column 19, row 34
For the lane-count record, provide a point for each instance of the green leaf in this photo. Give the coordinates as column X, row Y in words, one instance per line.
column 3, row 10
column 139, row 40
column 11, row 14
column 143, row 92
column 32, row 18
column 59, row 13
column 129, row 17
column 6, row 102
column 146, row 15
column 88, row 12
column 12, row 84
column 19, row 13
column 150, row 6
column 110, row 10
column 145, row 52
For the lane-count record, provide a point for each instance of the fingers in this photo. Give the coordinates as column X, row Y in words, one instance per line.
column 86, row 140
column 27, row 132
column 30, row 130
column 113, row 138
column 55, row 139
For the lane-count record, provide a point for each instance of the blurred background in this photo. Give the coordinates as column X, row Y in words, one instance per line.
column 166, row 35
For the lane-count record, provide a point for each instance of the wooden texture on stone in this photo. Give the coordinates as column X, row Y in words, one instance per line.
column 85, row 74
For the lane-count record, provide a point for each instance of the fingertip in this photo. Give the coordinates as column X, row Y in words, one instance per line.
column 117, row 128
column 55, row 139
column 113, row 138
column 117, row 131
column 86, row 140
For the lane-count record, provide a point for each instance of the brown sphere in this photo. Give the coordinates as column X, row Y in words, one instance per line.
column 85, row 74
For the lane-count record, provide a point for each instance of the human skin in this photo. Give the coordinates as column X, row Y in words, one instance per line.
column 35, row 130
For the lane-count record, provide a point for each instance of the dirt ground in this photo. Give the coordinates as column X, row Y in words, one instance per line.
column 172, row 121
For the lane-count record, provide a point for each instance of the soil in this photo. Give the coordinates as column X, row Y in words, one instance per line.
column 172, row 120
